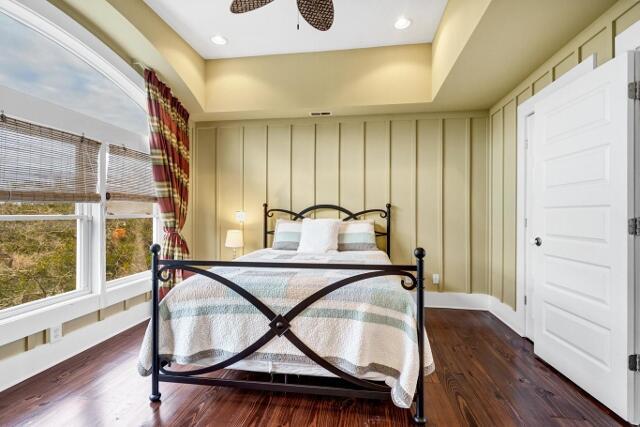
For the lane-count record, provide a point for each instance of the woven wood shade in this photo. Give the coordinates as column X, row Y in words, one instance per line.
column 41, row 164
column 129, row 175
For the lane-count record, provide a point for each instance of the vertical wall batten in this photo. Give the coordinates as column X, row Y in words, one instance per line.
column 467, row 210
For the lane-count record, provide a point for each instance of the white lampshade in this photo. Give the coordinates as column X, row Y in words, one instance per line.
column 234, row 239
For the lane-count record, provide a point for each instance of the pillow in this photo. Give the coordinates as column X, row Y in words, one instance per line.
column 319, row 235
column 357, row 236
column 287, row 235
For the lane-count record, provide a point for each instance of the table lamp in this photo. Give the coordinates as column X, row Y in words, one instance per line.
column 234, row 240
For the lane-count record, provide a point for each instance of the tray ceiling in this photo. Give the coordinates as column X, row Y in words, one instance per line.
column 272, row 29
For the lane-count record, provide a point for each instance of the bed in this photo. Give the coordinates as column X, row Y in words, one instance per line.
column 348, row 315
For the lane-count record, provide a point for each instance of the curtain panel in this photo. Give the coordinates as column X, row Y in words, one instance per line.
column 169, row 149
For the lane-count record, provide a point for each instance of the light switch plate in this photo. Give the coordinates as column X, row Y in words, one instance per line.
column 436, row 279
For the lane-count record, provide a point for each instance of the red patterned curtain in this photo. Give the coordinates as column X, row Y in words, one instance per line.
column 169, row 144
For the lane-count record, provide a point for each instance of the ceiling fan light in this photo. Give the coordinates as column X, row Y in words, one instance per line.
column 219, row 40
column 402, row 23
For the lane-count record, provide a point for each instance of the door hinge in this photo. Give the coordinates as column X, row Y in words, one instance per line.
column 633, row 226
column 634, row 362
column 634, row 90
column 525, row 300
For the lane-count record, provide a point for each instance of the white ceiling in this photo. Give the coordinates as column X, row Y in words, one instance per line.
column 272, row 29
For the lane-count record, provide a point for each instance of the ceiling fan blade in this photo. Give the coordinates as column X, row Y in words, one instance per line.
column 242, row 6
column 318, row 13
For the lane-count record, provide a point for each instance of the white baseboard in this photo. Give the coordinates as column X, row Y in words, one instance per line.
column 463, row 301
column 507, row 315
column 457, row 300
column 24, row 365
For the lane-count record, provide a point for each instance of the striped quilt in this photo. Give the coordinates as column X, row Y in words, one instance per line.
column 367, row 328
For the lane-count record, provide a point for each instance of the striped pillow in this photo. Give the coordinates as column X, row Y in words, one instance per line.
column 357, row 236
column 287, row 235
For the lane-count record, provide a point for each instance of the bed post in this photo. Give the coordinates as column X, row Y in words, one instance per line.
column 264, row 226
column 388, row 206
column 155, row 366
column 420, row 417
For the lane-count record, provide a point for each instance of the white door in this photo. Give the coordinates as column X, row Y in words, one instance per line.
column 582, row 192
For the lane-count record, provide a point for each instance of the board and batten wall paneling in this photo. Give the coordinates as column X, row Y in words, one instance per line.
column 509, row 177
column 479, row 205
column 278, row 170
column 255, row 184
column 597, row 39
column 203, row 161
column 457, row 204
column 424, row 164
column 377, row 181
column 229, row 156
column 327, row 167
column 303, row 175
column 497, row 251
column 429, row 194
column 352, row 167
column 403, row 165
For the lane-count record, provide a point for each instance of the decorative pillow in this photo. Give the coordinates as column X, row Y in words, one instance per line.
column 319, row 235
column 357, row 236
column 287, row 235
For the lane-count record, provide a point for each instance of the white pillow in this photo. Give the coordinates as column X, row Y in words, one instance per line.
column 319, row 235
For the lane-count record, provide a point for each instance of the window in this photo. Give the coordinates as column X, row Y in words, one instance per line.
column 77, row 208
column 131, row 196
column 49, row 179
column 33, row 64
column 37, row 256
column 129, row 234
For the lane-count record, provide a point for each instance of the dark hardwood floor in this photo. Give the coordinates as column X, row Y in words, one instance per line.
column 485, row 376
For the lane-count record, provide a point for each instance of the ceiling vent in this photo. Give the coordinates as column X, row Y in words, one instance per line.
column 320, row 113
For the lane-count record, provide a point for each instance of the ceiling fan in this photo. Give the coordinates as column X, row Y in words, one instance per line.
column 318, row 13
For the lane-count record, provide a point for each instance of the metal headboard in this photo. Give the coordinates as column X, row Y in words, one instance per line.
column 384, row 213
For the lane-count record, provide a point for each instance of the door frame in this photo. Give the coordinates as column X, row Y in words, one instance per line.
column 629, row 40
column 524, row 312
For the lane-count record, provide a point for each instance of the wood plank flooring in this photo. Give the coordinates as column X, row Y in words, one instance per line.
column 485, row 376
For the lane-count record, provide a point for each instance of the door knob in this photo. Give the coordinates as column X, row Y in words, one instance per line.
column 536, row 241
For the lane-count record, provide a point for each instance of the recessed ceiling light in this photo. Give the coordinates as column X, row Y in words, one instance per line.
column 402, row 23
column 219, row 40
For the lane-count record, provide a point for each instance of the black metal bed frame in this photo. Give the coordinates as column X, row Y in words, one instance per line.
column 279, row 324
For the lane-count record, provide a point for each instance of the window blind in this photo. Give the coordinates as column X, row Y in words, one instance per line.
column 41, row 164
column 129, row 175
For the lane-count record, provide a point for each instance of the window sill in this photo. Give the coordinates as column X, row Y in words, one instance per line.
column 127, row 287
column 22, row 325
column 25, row 323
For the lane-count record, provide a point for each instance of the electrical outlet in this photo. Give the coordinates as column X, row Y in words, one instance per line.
column 54, row 333
column 436, row 279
